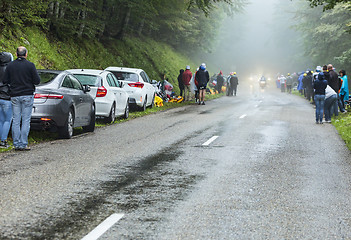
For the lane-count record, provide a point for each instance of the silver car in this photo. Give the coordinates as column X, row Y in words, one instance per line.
column 62, row 103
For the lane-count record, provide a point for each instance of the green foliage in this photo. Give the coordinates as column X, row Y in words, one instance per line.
column 327, row 4
column 343, row 124
column 325, row 34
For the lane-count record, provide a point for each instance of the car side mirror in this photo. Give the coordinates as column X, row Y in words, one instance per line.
column 86, row 88
column 153, row 81
column 121, row 84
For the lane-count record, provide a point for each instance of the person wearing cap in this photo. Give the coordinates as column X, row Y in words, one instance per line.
column 220, row 81
column 186, row 81
column 233, row 81
column 289, row 82
column 202, row 77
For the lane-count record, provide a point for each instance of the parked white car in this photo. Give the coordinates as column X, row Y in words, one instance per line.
column 111, row 100
column 137, row 84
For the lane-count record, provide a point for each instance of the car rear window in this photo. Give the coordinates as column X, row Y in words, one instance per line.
column 125, row 76
column 91, row 80
column 46, row 77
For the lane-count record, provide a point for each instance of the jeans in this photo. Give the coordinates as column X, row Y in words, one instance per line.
column 22, row 111
column 319, row 100
column 329, row 106
column 5, row 118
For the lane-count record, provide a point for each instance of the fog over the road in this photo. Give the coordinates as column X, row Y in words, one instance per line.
column 259, row 40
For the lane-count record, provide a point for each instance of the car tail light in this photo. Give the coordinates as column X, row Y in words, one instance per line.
column 101, row 92
column 48, row 96
column 45, row 119
column 137, row 85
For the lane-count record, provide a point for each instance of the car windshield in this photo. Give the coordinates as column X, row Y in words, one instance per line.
column 46, row 77
column 91, row 80
column 125, row 76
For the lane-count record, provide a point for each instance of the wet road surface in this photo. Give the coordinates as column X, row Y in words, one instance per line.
column 267, row 171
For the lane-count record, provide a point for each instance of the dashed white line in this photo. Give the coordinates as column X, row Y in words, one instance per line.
column 103, row 227
column 242, row 116
column 209, row 141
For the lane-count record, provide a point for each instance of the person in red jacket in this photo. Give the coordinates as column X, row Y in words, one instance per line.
column 187, row 75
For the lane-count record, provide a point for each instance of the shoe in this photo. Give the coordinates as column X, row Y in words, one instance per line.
column 199, row 103
column 22, row 149
column 3, row 144
column 203, row 103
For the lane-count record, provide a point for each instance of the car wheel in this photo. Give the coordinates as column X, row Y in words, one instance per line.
column 112, row 117
column 91, row 126
column 66, row 131
column 126, row 111
column 143, row 108
column 153, row 102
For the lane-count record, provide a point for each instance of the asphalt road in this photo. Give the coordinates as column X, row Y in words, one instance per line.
column 266, row 171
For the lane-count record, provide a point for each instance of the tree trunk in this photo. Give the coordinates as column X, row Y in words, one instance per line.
column 122, row 33
column 141, row 27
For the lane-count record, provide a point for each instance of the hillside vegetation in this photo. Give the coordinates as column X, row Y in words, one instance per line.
column 154, row 57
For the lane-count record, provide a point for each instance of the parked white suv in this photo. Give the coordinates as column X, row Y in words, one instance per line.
column 137, row 84
column 111, row 100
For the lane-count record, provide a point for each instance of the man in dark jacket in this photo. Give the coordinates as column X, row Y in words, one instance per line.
column 220, row 81
column 234, row 82
column 202, row 77
column 180, row 82
column 22, row 76
column 334, row 83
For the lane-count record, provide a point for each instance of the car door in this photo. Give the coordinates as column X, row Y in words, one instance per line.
column 121, row 95
column 82, row 102
column 149, row 89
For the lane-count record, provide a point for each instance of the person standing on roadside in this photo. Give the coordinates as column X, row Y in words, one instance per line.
column 289, row 82
column 5, row 100
column 344, row 90
column 234, row 82
column 186, row 81
column 180, row 82
column 202, row 77
column 220, row 81
column 22, row 76
column 334, row 84
column 329, row 104
column 319, row 86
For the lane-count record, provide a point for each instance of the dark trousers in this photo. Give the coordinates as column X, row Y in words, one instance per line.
column 341, row 103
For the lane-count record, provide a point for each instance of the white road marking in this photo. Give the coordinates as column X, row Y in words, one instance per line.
column 243, row 116
column 103, row 227
column 209, row 141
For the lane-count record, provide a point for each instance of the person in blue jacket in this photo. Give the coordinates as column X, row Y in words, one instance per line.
column 344, row 90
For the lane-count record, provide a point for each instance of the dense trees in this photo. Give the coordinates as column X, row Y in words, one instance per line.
column 328, row 4
column 181, row 23
column 325, row 34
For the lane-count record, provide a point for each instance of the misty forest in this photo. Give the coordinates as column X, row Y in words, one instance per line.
column 232, row 35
